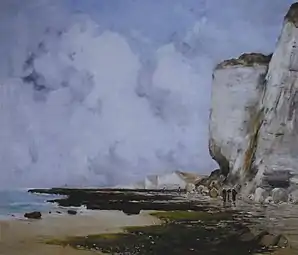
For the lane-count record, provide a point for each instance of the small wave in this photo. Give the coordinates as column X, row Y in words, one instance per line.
column 20, row 201
column 28, row 203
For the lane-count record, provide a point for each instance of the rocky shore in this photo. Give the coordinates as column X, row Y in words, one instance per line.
column 191, row 223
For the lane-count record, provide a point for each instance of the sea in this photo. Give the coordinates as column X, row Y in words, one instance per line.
column 14, row 203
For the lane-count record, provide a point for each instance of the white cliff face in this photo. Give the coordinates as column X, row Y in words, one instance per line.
column 277, row 149
column 236, row 91
column 254, row 121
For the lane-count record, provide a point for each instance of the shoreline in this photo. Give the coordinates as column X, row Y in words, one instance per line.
column 28, row 237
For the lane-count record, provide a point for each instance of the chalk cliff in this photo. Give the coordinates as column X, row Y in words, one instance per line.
column 171, row 180
column 254, row 113
column 236, row 92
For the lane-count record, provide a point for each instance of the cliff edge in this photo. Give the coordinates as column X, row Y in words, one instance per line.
column 254, row 115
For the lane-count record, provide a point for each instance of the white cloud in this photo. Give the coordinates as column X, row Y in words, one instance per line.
column 103, row 98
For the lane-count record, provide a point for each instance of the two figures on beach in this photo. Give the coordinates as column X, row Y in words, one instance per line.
column 229, row 195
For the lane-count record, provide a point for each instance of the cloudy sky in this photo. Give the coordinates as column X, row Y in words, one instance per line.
column 103, row 92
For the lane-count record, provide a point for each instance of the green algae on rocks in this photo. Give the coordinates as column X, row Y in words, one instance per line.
column 191, row 215
column 128, row 201
column 183, row 232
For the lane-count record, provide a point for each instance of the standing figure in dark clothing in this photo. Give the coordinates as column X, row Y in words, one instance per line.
column 229, row 194
column 234, row 195
column 224, row 195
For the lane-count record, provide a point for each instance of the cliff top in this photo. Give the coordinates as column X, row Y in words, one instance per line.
column 292, row 15
column 246, row 59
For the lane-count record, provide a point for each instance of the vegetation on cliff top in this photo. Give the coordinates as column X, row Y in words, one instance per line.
column 246, row 59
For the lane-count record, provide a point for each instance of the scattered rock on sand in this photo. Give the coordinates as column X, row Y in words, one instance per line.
column 33, row 215
column 270, row 240
column 214, row 184
column 269, row 200
column 72, row 212
column 213, row 193
column 190, row 188
column 132, row 210
column 293, row 197
column 205, row 191
column 260, row 195
column 200, row 189
column 251, row 196
column 279, row 195
column 215, row 179
column 282, row 242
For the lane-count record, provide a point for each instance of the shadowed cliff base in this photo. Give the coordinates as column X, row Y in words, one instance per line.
column 216, row 154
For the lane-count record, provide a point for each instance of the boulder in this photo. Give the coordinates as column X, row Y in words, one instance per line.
column 279, row 195
column 72, row 212
column 132, row 210
column 270, row 240
column 277, row 178
column 269, row 200
column 251, row 197
column 293, row 197
column 33, row 215
column 214, row 184
column 200, row 189
column 190, row 188
column 214, row 193
column 282, row 241
column 260, row 195
column 205, row 191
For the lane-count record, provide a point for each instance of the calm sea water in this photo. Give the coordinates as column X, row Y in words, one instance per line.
column 18, row 202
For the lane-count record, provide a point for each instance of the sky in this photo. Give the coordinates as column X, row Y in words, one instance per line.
column 105, row 92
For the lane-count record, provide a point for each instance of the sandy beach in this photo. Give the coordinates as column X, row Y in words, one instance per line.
column 28, row 237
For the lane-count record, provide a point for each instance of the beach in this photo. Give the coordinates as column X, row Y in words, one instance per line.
column 29, row 237
column 148, row 223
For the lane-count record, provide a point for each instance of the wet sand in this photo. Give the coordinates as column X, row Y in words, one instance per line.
column 28, row 237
